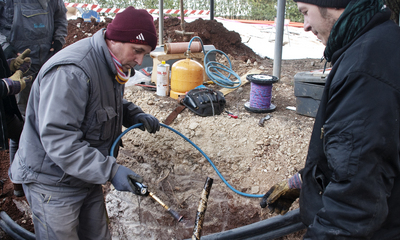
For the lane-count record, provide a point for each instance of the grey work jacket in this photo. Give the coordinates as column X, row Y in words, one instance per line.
column 33, row 24
column 75, row 112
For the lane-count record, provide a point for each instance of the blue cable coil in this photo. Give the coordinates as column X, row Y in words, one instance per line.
column 194, row 145
column 214, row 69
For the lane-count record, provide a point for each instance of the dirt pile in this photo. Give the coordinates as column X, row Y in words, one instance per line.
column 79, row 29
column 211, row 32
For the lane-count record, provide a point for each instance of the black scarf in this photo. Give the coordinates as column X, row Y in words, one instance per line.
column 353, row 19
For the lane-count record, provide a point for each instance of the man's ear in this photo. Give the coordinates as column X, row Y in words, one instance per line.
column 110, row 43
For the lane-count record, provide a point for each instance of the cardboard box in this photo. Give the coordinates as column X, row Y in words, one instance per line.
column 308, row 89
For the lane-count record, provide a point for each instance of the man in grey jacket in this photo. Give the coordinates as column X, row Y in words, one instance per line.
column 75, row 113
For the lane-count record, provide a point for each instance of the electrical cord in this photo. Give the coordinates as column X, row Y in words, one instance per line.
column 194, row 145
column 214, row 69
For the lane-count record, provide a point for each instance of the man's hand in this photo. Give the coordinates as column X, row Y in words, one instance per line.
column 150, row 123
column 280, row 197
column 16, row 83
column 122, row 181
column 22, row 62
column 56, row 46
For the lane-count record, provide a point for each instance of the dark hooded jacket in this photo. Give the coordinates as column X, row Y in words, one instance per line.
column 33, row 24
column 8, row 104
column 351, row 180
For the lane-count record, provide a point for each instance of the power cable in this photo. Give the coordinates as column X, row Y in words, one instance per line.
column 194, row 145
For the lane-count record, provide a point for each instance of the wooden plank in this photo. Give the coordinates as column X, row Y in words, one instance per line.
column 164, row 56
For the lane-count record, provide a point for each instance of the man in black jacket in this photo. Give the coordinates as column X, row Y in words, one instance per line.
column 11, row 120
column 41, row 26
column 350, row 185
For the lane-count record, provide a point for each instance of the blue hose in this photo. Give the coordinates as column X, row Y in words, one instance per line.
column 194, row 145
column 213, row 69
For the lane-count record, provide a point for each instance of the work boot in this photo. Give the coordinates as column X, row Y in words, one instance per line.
column 18, row 190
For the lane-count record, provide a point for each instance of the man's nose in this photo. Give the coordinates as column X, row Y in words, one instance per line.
column 139, row 59
column 306, row 26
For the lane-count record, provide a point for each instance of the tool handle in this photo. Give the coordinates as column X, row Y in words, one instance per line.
column 140, row 189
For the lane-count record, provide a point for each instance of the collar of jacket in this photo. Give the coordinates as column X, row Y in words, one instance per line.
column 377, row 19
column 106, row 50
column 351, row 22
column 43, row 3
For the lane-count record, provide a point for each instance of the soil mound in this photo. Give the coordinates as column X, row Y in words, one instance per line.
column 211, row 32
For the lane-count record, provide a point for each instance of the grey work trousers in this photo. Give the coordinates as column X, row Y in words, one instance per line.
column 67, row 213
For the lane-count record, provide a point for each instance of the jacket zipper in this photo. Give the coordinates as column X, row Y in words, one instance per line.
column 322, row 132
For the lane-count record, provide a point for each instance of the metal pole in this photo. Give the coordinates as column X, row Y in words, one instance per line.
column 211, row 9
column 161, row 23
column 280, row 19
column 182, row 18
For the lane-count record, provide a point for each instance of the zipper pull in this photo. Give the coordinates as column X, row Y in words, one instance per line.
column 322, row 132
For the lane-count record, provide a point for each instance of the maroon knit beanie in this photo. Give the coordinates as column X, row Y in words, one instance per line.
column 327, row 3
column 133, row 26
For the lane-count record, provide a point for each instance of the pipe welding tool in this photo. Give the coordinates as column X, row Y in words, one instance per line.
column 142, row 190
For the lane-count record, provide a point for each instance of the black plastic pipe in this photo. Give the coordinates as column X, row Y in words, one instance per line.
column 271, row 228
column 9, row 232
column 278, row 232
column 15, row 228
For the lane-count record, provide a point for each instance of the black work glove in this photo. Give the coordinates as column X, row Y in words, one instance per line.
column 10, row 52
column 16, row 83
column 56, row 46
column 280, row 197
column 122, row 181
column 150, row 123
column 22, row 62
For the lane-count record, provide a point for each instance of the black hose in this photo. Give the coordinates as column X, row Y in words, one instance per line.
column 9, row 232
column 25, row 234
column 274, row 234
column 271, row 228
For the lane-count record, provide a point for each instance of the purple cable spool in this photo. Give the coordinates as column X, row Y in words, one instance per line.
column 260, row 93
